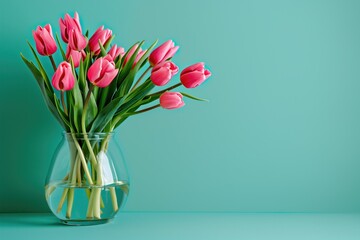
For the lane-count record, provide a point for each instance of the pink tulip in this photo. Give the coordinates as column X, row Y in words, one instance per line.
column 102, row 35
column 171, row 100
column 194, row 75
column 163, row 72
column 102, row 72
column 44, row 40
column 75, row 55
column 139, row 56
column 131, row 52
column 163, row 53
column 63, row 78
column 77, row 41
column 67, row 24
column 116, row 51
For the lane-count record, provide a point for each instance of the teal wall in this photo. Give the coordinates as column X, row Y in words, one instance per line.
column 282, row 129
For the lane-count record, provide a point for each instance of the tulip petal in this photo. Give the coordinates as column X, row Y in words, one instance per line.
column 171, row 100
column 100, row 35
column 39, row 43
column 106, row 79
column 192, row 79
column 197, row 66
column 49, row 42
column 76, row 40
column 171, row 53
column 161, row 76
column 207, row 73
column 158, row 55
column 95, row 70
column 63, row 78
column 48, row 28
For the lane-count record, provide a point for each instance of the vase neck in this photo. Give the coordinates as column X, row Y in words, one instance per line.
column 92, row 136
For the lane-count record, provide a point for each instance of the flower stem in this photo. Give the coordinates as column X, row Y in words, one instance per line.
column 141, row 77
column 103, row 148
column 62, row 199
column 83, row 125
column 52, row 62
column 70, row 197
column 95, row 197
column 167, row 89
column 70, row 202
column 145, row 109
column 114, row 199
column 86, row 104
column 83, row 161
column 63, row 102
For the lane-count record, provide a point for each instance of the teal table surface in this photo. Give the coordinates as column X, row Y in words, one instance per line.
column 136, row 225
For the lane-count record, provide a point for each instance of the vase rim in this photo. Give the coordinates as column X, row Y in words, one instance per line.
column 89, row 135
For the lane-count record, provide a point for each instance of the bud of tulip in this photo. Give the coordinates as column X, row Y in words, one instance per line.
column 194, row 75
column 171, row 100
column 139, row 55
column 102, row 72
column 131, row 52
column 163, row 72
column 63, row 78
column 163, row 52
column 116, row 51
column 44, row 40
column 102, row 35
column 76, row 56
column 67, row 24
column 76, row 40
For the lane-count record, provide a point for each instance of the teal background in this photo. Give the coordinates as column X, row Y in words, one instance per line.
column 281, row 132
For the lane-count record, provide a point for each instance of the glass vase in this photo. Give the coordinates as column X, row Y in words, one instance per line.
column 87, row 182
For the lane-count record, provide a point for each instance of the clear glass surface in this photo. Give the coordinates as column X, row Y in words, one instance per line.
column 87, row 182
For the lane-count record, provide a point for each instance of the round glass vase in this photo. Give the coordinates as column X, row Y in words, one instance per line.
column 87, row 182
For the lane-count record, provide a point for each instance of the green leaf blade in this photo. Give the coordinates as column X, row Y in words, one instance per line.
column 193, row 97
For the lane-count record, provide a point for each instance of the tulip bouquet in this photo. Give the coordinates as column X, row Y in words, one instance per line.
column 94, row 90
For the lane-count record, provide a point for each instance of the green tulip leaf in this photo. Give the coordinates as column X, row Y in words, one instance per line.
column 104, row 47
column 108, row 42
column 47, row 95
column 103, row 50
column 127, row 67
column 60, row 47
column 118, row 63
column 60, row 111
column 194, row 98
column 103, row 95
column 41, row 68
column 92, row 110
column 128, row 81
column 134, row 97
column 142, row 61
column 106, row 114
column 78, row 102
column 82, row 77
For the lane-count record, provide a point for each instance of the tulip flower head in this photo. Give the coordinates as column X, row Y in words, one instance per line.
column 75, row 55
column 102, row 35
column 131, row 52
column 163, row 72
column 67, row 24
column 63, row 78
column 171, row 100
column 116, row 51
column 194, row 75
column 77, row 41
column 102, row 72
column 44, row 40
column 163, row 53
